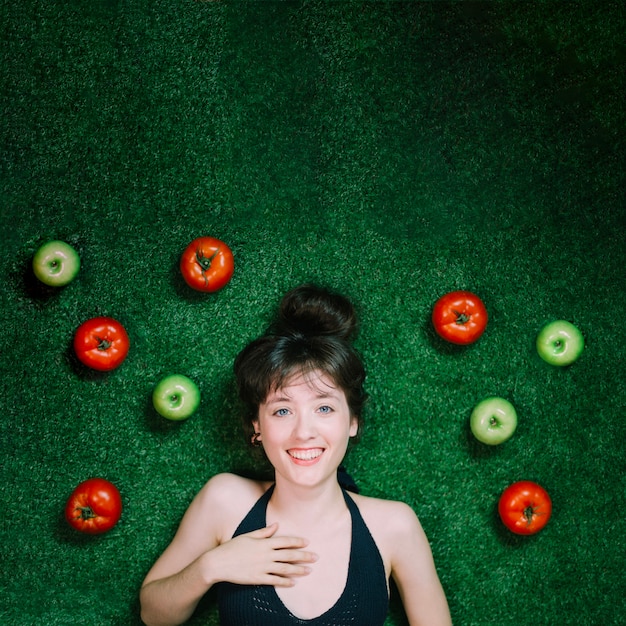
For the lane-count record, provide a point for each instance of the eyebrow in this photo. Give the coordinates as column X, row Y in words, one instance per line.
column 330, row 394
column 321, row 395
column 275, row 399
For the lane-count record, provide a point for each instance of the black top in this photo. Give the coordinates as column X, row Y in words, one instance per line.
column 364, row 601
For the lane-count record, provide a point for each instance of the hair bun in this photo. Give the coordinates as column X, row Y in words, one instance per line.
column 311, row 310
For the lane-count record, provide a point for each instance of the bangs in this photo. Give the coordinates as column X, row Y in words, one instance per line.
column 287, row 358
column 309, row 373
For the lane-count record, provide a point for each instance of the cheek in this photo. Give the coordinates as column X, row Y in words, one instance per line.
column 271, row 432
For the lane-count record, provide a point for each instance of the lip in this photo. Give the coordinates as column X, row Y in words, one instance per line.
column 305, row 456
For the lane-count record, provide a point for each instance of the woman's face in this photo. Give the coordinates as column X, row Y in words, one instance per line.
column 305, row 427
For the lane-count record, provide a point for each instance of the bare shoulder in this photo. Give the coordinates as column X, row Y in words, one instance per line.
column 228, row 487
column 228, row 497
column 394, row 527
column 388, row 517
column 210, row 520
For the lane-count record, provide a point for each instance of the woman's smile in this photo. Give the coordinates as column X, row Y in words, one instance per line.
column 305, row 456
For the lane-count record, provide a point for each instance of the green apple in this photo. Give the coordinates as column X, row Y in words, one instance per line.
column 176, row 397
column 56, row 263
column 560, row 343
column 493, row 421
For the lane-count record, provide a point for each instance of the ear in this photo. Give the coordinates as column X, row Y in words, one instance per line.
column 256, row 424
column 354, row 426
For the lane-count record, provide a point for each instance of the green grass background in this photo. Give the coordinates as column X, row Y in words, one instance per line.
column 393, row 151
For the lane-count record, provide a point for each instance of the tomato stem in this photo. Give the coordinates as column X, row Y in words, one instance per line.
column 529, row 511
column 205, row 261
column 103, row 344
column 86, row 512
column 461, row 318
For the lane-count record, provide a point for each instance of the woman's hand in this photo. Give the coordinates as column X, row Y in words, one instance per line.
column 261, row 558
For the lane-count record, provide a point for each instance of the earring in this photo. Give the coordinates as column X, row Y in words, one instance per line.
column 255, row 440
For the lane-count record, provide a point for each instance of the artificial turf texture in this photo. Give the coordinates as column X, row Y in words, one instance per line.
column 392, row 151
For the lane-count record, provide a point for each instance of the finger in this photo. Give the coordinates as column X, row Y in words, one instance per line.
column 288, row 570
column 285, row 543
column 295, row 556
column 278, row 581
column 299, row 571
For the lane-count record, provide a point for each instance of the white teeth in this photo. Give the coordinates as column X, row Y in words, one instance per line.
column 306, row 455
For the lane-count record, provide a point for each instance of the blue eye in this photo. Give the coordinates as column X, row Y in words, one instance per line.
column 325, row 409
column 282, row 412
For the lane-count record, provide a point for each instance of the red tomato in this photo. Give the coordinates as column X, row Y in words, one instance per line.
column 101, row 343
column 94, row 507
column 460, row 317
column 207, row 264
column 525, row 507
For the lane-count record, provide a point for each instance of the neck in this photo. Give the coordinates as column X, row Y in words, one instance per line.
column 306, row 503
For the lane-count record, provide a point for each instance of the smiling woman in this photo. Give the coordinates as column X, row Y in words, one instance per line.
column 305, row 423
column 299, row 547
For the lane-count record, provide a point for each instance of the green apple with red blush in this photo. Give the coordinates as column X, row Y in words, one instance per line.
column 493, row 421
column 560, row 343
column 176, row 397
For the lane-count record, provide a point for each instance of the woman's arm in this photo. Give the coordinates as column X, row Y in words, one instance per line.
column 171, row 600
column 413, row 570
column 198, row 557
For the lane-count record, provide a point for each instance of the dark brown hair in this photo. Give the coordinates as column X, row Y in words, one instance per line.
column 313, row 331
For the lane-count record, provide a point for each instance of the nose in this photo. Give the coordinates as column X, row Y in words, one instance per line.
column 304, row 427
